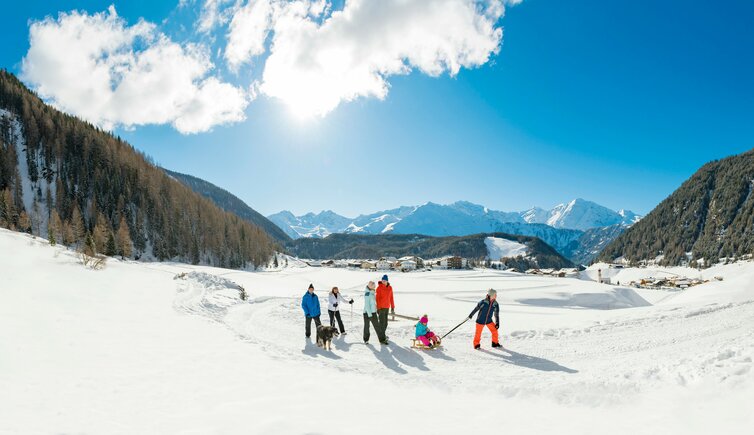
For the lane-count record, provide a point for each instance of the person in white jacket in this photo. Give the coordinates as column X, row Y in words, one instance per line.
column 333, row 308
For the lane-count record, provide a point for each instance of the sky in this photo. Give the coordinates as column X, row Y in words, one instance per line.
column 357, row 106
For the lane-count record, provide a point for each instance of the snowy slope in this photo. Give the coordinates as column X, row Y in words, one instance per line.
column 498, row 248
column 135, row 348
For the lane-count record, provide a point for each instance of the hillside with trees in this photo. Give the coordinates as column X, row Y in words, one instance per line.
column 347, row 246
column 229, row 202
column 66, row 180
column 708, row 218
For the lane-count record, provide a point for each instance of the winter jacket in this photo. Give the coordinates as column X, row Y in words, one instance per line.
column 332, row 300
column 370, row 303
column 486, row 311
column 310, row 304
column 421, row 329
column 385, row 296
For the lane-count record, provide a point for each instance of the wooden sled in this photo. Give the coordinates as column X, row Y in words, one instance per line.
column 416, row 344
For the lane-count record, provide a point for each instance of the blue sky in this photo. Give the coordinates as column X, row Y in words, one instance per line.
column 615, row 102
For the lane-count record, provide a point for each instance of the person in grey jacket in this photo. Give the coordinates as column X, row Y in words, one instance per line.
column 333, row 308
column 370, row 314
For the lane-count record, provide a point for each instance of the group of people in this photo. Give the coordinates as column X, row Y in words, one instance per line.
column 379, row 303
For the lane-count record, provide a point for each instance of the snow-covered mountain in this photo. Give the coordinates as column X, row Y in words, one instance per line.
column 580, row 214
column 457, row 219
column 310, row 225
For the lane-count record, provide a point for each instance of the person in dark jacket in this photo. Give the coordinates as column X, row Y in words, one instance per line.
column 310, row 304
column 487, row 308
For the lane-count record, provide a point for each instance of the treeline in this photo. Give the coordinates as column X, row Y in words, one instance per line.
column 83, row 183
column 711, row 216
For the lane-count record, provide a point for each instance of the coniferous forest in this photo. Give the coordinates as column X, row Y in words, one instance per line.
column 64, row 179
column 708, row 218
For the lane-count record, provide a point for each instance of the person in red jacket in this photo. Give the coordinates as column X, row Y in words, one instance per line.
column 384, row 303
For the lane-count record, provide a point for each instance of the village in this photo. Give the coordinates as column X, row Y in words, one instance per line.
column 414, row 263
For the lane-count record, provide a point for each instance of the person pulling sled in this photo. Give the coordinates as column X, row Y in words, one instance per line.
column 487, row 308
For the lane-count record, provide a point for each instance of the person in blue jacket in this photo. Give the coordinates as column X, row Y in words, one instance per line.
column 310, row 304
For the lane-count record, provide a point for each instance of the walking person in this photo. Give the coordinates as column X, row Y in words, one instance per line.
column 333, row 308
column 385, row 303
column 312, row 310
column 370, row 314
column 487, row 308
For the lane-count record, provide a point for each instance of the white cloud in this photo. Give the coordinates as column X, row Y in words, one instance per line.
column 213, row 14
column 247, row 32
column 99, row 68
column 315, row 64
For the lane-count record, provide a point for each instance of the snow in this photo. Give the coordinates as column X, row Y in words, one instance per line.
column 498, row 248
column 140, row 348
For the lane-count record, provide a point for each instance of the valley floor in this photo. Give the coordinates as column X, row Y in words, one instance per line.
column 138, row 348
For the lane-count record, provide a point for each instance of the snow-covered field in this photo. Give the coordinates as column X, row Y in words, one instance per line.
column 135, row 349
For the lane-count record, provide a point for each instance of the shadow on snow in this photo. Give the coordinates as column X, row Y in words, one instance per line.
column 528, row 361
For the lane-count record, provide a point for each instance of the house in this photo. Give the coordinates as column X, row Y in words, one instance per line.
column 314, row 263
column 418, row 260
column 327, row 263
column 384, row 264
column 407, row 265
column 368, row 265
column 454, row 262
column 355, row 264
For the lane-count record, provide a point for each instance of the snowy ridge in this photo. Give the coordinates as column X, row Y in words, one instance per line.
column 457, row 219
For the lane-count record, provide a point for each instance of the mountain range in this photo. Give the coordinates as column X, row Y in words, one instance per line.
column 459, row 218
column 578, row 230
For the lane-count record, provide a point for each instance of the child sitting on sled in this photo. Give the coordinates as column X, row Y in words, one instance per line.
column 424, row 335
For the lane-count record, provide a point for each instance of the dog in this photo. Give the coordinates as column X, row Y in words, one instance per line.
column 325, row 335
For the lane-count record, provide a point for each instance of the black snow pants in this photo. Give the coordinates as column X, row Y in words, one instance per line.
column 336, row 315
column 317, row 323
column 375, row 324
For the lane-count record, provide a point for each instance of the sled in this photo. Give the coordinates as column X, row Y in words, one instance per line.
column 416, row 344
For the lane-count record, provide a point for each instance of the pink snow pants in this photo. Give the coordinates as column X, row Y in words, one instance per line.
column 427, row 338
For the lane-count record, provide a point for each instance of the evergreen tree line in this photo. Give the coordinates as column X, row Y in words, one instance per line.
column 710, row 217
column 90, row 188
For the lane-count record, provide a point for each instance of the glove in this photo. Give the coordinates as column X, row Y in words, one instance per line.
column 392, row 311
column 469, row 317
column 497, row 325
column 335, row 304
column 350, row 302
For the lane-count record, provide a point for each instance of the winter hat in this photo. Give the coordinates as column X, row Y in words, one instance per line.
column 424, row 319
column 384, row 278
column 311, row 285
column 492, row 292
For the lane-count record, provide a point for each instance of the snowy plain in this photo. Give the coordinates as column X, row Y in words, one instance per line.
column 140, row 348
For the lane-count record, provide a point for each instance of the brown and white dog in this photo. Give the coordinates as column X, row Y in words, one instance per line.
column 325, row 335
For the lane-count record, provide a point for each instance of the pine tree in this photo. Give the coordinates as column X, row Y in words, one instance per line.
column 100, row 233
column 24, row 224
column 68, row 236
column 111, row 250
column 77, row 225
column 55, row 226
column 124, row 239
column 51, row 236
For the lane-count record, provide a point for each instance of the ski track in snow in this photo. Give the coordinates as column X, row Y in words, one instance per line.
column 676, row 346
